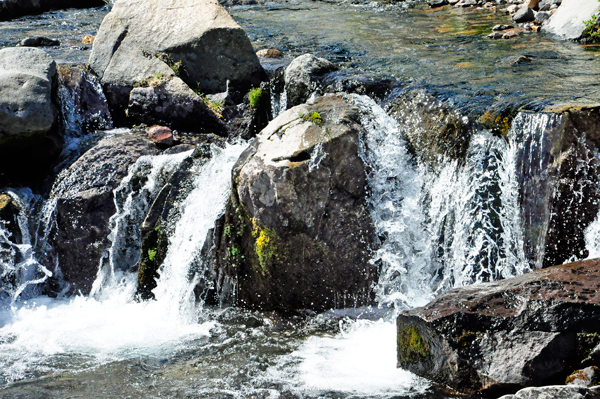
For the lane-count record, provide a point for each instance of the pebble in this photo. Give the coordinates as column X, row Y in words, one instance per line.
column 542, row 16
column 88, row 39
column 496, row 35
column 510, row 34
column 269, row 53
column 161, row 135
column 512, row 9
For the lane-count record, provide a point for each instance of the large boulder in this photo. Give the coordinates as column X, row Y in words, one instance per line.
column 567, row 21
column 297, row 233
column 524, row 331
column 194, row 39
column 10, row 9
column 85, row 203
column 556, row 392
column 28, row 115
column 301, row 77
column 171, row 102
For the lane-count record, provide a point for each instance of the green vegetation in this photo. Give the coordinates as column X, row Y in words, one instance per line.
column 215, row 106
column 411, row 346
column 254, row 97
column 592, row 31
column 151, row 254
column 265, row 246
column 313, row 117
column 151, row 81
column 177, row 67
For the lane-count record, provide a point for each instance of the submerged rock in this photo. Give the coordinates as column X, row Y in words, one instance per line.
column 524, row 331
column 28, row 115
column 297, row 233
column 85, row 203
column 196, row 40
column 10, row 9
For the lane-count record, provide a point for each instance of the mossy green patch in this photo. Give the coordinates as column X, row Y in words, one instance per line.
column 151, row 254
column 313, row 117
column 266, row 245
column 254, row 97
column 411, row 345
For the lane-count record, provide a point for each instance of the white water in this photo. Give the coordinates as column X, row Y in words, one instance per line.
column 112, row 325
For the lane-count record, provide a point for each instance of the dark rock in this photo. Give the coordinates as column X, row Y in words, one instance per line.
column 245, row 120
column 349, row 81
column 502, row 27
column 84, row 205
column 438, row 3
column 9, row 212
column 301, row 77
column 508, row 334
column 524, row 14
column 495, row 35
column 297, row 233
column 172, row 103
column 28, row 115
column 199, row 42
column 542, row 16
column 39, row 42
column 10, row 9
column 161, row 135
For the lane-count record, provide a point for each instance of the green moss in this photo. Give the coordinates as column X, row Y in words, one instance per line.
column 151, row 254
column 466, row 339
column 313, row 117
column 266, row 245
column 254, row 97
column 411, row 346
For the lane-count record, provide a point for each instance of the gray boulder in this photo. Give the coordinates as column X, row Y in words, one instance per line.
column 524, row 14
column 194, row 39
column 172, row 103
column 28, row 115
column 84, row 205
column 10, row 9
column 524, row 331
column 567, row 21
column 297, row 233
column 555, row 392
column 301, row 77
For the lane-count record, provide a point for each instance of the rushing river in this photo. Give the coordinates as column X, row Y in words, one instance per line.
column 456, row 227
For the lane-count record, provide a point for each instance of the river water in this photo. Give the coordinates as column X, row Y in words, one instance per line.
column 109, row 345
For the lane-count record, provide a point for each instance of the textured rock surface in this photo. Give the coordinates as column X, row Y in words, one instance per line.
column 10, row 9
column 528, row 330
column 171, row 102
column 301, row 77
column 200, row 35
column 84, row 205
column 28, row 115
column 555, row 392
column 296, row 233
column 567, row 21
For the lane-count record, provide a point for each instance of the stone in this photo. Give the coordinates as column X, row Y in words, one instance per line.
column 247, row 119
column 28, row 115
column 567, row 21
column 547, row 5
column 9, row 212
column 194, row 39
column 85, row 203
column 502, row 27
column 466, row 3
column 495, row 35
column 512, row 9
column 507, row 334
column 297, row 233
column 39, row 42
column 269, row 53
column 533, row 4
column 542, row 16
column 524, row 14
column 510, row 34
column 554, row 392
column 438, row 3
column 10, row 9
column 88, row 39
column 161, row 135
column 301, row 77
column 169, row 101
column 584, row 378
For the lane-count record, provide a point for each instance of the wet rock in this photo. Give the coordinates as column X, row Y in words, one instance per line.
column 199, row 42
column 502, row 27
column 508, row 334
column 555, row 392
column 547, row 5
column 301, row 77
column 9, row 212
column 542, row 16
column 83, row 105
column 584, row 378
column 269, row 53
column 560, row 169
column 438, row 131
column 524, row 14
column 169, row 101
column 161, row 135
column 39, row 42
column 247, row 119
column 296, row 233
column 349, row 81
column 438, row 3
column 10, row 9
column 85, row 203
column 28, row 115
column 567, row 21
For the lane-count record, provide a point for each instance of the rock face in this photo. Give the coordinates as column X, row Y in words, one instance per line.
column 84, row 205
column 528, row 330
column 28, row 116
column 171, row 102
column 194, row 39
column 301, row 77
column 296, row 233
column 567, row 21
column 557, row 165
column 10, row 9
column 555, row 392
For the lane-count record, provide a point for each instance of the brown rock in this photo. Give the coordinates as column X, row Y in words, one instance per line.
column 161, row 135
column 269, row 53
column 88, row 39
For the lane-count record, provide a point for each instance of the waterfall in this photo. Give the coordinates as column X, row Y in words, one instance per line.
column 454, row 226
